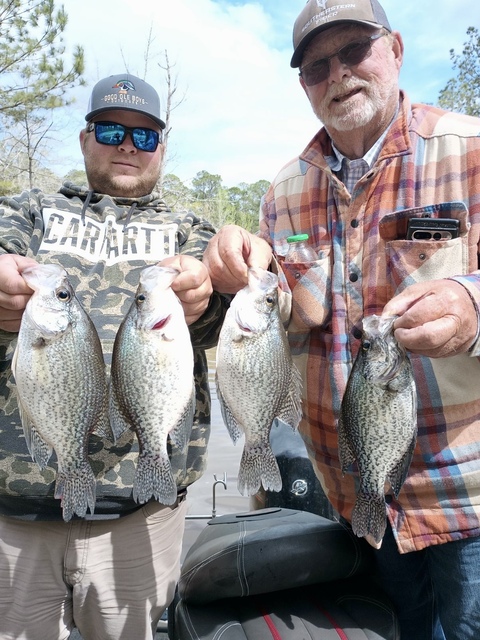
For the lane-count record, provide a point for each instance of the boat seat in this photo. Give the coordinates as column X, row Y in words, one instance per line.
column 279, row 574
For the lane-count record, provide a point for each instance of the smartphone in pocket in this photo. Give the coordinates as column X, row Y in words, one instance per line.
column 433, row 229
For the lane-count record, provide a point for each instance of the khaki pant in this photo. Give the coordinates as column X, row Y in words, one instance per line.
column 112, row 579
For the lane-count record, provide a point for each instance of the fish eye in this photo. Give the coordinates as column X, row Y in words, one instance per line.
column 141, row 297
column 366, row 344
column 64, row 295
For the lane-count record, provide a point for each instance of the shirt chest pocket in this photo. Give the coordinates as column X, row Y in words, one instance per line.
column 310, row 284
column 422, row 259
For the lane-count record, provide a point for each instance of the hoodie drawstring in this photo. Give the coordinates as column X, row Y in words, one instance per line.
column 85, row 205
column 129, row 215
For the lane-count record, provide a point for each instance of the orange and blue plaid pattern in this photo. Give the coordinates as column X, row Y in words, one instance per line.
column 429, row 164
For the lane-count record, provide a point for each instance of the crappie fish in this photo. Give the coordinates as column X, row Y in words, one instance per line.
column 61, row 384
column 256, row 379
column 377, row 428
column 152, row 388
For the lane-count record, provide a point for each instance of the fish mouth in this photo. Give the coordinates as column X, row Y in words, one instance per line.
column 244, row 329
column 244, row 325
column 161, row 323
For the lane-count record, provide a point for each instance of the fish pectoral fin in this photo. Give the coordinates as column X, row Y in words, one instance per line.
column 229, row 419
column 397, row 475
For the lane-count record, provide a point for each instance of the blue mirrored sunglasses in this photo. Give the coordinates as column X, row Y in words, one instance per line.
column 113, row 134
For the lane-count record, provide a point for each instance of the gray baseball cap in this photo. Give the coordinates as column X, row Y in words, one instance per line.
column 318, row 15
column 127, row 93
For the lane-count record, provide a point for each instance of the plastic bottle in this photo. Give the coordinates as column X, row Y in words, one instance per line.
column 299, row 250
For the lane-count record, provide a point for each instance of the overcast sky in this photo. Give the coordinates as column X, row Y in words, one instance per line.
column 243, row 113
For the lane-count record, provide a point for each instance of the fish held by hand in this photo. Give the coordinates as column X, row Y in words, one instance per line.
column 61, row 384
column 256, row 379
column 152, row 388
column 377, row 428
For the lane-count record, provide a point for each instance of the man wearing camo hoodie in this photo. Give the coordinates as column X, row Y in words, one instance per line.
column 112, row 573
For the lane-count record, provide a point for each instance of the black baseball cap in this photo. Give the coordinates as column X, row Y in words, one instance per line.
column 127, row 93
column 318, row 15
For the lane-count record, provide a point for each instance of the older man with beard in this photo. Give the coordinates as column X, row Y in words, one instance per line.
column 376, row 166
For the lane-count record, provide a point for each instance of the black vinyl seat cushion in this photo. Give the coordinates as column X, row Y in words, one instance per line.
column 280, row 574
column 350, row 610
column 268, row 550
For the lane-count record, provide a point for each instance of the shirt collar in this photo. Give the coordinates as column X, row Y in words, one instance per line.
column 335, row 162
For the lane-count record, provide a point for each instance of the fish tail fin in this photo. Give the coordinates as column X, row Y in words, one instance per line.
column 369, row 517
column 76, row 489
column 258, row 467
column 154, row 478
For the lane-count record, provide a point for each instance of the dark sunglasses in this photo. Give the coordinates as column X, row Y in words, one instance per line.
column 351, row 54
column 112, row 133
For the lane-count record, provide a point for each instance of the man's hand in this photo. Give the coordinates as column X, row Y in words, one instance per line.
column 230, row 253
column 192, row 286
column 437, row 318
column 14, row 291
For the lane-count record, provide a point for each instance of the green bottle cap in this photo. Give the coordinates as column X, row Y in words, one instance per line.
column 299, row 238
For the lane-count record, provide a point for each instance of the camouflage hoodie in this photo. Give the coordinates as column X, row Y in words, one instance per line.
column 103, row 243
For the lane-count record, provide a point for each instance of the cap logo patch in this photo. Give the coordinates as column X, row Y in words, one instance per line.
column 122, row 97
column 326, row 14
column 124, row 86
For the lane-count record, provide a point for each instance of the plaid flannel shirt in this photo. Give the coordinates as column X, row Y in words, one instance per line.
column 429, row 163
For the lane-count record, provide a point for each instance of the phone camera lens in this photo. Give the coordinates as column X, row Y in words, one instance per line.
column 437, row 236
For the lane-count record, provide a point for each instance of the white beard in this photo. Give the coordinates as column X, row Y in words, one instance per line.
column 359, row 110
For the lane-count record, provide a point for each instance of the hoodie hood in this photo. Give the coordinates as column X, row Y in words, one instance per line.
column 125, row 207
column 149, row 201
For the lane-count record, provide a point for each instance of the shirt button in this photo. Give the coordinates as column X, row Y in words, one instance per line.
column 354, row 223
column 353, row 277
column 357, row 333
